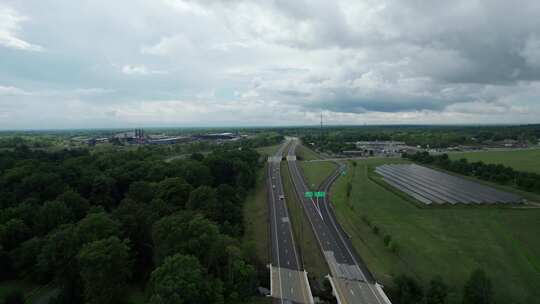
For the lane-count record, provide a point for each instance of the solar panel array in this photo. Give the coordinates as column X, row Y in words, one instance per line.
column 431, row 186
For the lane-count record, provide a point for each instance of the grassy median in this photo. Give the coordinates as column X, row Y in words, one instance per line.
column 305, row 153
column 316, row 172
column 304, row 238
column 256, row 218
column 268, row 150
column 451, row 242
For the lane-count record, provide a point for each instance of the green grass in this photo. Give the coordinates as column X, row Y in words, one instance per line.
column 450, row 242
column 305, row 153
column 521, row 160
column 304, row 238
column 316, row 172
column 256, row 218
column 269, row 150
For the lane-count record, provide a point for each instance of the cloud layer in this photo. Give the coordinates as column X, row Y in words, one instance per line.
column 181, row 62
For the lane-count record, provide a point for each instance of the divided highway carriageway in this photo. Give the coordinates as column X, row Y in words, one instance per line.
column 350, row 279
column 288, row 281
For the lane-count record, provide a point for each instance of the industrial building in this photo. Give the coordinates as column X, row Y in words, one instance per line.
column 381, row 147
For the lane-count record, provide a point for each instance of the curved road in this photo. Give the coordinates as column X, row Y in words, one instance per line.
column 350, row 278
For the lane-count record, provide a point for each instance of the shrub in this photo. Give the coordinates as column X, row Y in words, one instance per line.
column 14, row 297
column 366, row 220
column 394, row 247
column 387, row 239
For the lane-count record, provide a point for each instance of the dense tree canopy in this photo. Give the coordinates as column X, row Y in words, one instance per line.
column 105, row 268
column 407, row 290
column 181, row 279
column 478, row 289
column 91, row 222
column 437, row 291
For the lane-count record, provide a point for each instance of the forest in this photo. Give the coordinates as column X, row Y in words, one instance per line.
column 337, row 139
column 93, row 223
column 496, row 173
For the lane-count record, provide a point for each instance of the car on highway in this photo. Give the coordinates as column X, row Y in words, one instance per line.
column 282, row 197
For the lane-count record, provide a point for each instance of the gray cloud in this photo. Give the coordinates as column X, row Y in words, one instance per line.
column 371, row 60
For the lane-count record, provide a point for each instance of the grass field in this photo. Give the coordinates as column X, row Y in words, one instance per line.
column 304, row 153
column 270, row 150
column 521, row 160
column 256, row 218
column 450, row 242
column 313, row 259
column 316, row 172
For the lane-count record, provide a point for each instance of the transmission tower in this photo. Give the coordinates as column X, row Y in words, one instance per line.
column 321, row 124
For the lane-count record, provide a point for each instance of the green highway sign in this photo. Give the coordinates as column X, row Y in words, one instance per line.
column 320, row 194
column 310, row 194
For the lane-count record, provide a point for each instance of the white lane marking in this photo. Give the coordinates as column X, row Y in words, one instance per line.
column 277, row 247
column 325, row 204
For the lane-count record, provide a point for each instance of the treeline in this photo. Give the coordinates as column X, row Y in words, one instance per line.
column 94, row 223
column 9, row 142
column 407, row 290
column 263, row 139
column 500, row 174
column 337, row 139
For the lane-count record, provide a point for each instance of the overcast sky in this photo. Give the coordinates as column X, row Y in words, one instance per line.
column 124, row 63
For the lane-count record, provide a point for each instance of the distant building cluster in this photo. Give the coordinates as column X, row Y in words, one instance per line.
column 379, row 147
column 139, row 137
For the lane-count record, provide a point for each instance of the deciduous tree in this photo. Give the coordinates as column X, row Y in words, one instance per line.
column 180, row 279
column 105, row 268
column 478, row 289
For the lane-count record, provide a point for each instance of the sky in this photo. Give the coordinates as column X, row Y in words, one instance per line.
column 134, row 63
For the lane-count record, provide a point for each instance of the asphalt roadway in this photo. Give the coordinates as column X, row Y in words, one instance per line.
column 289, row 283
column 350, row 278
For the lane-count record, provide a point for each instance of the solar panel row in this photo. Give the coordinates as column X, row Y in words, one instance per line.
column 431, row 186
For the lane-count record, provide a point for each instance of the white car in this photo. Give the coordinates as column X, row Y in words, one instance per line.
column 281, row 197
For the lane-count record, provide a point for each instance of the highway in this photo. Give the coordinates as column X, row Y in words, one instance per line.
column 351, row 281
column 288, row 280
